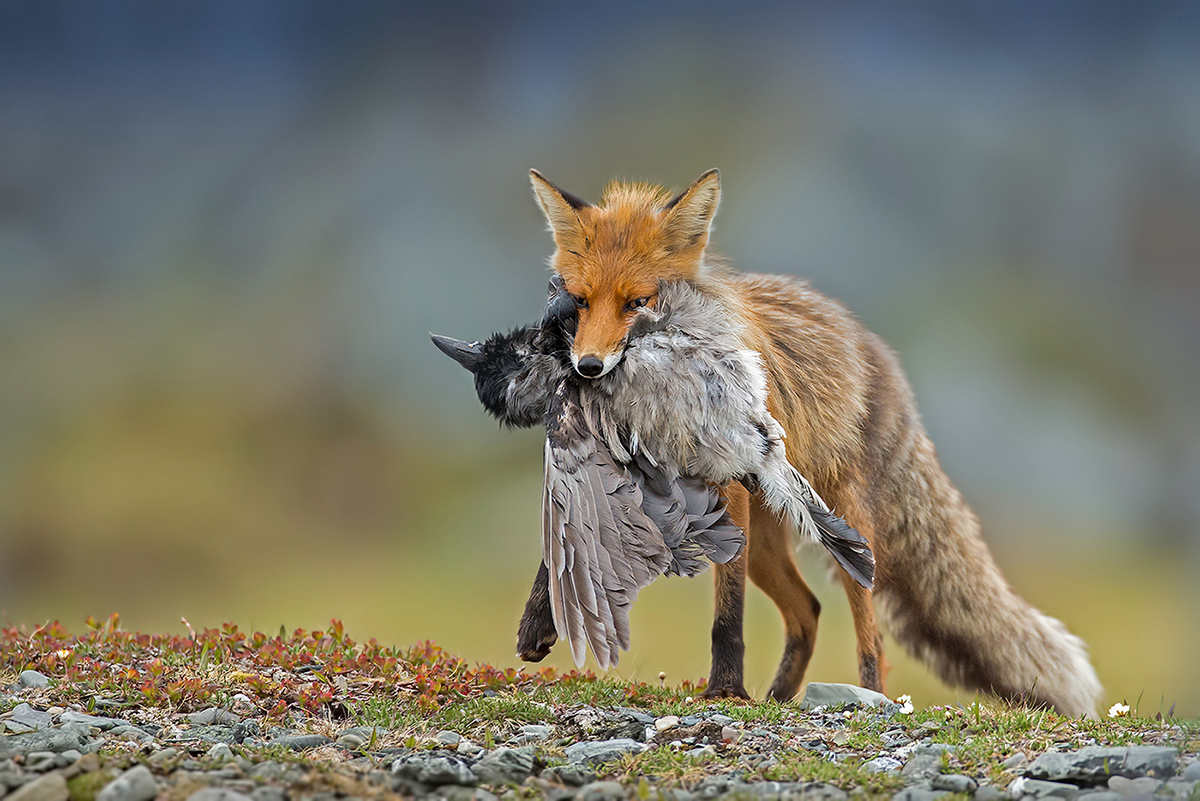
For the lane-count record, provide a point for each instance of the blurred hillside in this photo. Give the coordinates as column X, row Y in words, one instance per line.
column 226, row 230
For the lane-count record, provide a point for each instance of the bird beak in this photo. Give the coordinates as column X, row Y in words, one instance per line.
column 468, row 354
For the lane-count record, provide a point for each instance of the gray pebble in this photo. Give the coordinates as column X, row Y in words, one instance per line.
column 447, row 737
column 68, row 758
column 32, row 719
column 918, row 794
column 217, row 794
column 823, row 694
column 160, row 758
column 1099, row 795
column 51, row 787
column 31, row 678
column 268, row 793
column 505, row 766
column 601, row 791
column 135, row 784
column 1143, row 785
column 266, row 770
column 41, row 761
column 882, row 764
column 536, row 733
column 1094, row 764
column 433, row 770
column 1015, row 762
column 301, row 742
column 988, row 792
column 102, row 723
column 1043, row 789
column 573, row 775
column 57, row 740
column 214, row 716
column 595, row 753
column 955, row 783
column 1192, row 772
column 220, row 753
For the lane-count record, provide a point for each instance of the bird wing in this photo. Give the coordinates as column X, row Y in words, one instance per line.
column 599, row 545
column 690, row 512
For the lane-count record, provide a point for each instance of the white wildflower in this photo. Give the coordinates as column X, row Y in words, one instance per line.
column 906, row 706
column 1118, row 710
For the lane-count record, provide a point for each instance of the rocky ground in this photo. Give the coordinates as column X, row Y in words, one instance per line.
column 442, row 731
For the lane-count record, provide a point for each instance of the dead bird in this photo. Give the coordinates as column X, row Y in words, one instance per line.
column 685, row 411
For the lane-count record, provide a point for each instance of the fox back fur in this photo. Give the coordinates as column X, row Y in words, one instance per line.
column 851, row 428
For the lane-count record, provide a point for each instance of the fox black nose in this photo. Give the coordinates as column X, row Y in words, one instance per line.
column 590, row 366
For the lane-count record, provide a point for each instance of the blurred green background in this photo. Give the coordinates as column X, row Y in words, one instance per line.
column 227, row 228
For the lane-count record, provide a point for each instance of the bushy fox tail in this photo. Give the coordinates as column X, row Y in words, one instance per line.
column 947, row 603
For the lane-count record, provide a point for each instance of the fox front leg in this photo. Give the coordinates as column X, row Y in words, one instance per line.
column 536, row 633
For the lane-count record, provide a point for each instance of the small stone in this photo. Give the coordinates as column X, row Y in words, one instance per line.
column 67, row 758
column 918, row 793
column 468, row 748
column 1143, row 785
column 572, row 775
column 1192, row 772
column 822, row 694
column 1043, row 789
column 505, row 766
column 601, row 791
column 882, row 764
column 1099, row 795
column 160, row 758
column 301, row 742
column 598, row 752
column 666, row 723
column 955, row 783
column 266, row 771
column 32, row 718
column 40, row 761
column 56, row 740
column 102, row 723
column 447, row 737
column 214, row 716
column 535, row 733
column 1181, row 788
column 220, row 753
column 135, row 784
column 217, row 794
column 1015, row 762
column 268, row 793
column 988, row 792
column 925, row 762
column 1094, row 764
column 31, row 678
column 433, row 770
column 51, row 787
column 729, row 734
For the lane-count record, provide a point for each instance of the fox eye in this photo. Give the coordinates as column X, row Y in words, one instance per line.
column 580, row 303
column 636, row 303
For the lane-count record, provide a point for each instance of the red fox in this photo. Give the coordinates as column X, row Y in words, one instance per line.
column 851, row 428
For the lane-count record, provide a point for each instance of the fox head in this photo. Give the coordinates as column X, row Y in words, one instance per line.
column 612, row 257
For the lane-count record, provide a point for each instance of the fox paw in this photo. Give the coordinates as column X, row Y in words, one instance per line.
column 725, row 691
column 534, row 643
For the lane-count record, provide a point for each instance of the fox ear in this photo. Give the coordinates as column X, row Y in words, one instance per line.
column 559, row 206
column 691, row 212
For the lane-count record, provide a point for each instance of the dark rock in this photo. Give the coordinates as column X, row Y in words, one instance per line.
column 433, row 770
column 925, row 762
column 637, row 715
column 56, row 740
column 955, row 783
column 301, row 742
column 595, row 753
column 245, row 729
column 31, row 678
column 574, row 775
column 918, row 793
column 1094, row 764
column 822, row 694
column 214, row 716
column 505, row 766
column 135, row 784
column 988, row 792
column 1036, row 788
column 51, row 787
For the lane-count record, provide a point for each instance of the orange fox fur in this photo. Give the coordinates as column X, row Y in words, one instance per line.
column 852, row 430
